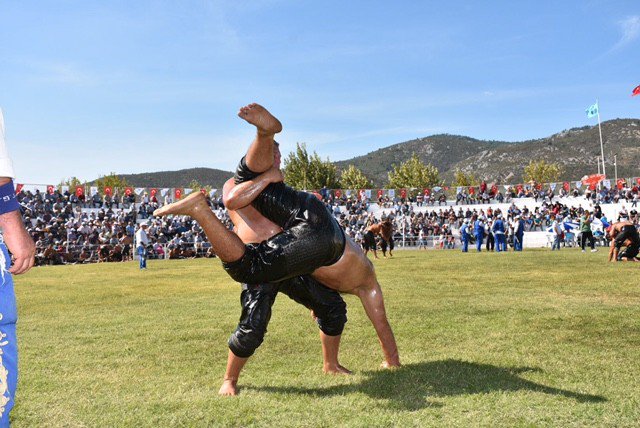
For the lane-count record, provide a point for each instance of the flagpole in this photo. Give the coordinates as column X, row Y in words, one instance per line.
column 604, row 172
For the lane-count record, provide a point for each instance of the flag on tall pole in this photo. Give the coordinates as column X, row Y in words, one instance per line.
column 636, row 91
column 594, row 111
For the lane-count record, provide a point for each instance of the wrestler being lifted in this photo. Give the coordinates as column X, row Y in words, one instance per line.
column 312, row 242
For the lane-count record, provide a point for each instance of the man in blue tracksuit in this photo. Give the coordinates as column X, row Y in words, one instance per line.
column 464, row 235
column 478, row 232
column 499, row 233
column 518, row 234
column 15, row 237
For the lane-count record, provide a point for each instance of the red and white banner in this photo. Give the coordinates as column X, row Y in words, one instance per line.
column 19, row 187
column 50, row 189
column 79, row 191
column 177, row 193
column 108, row 191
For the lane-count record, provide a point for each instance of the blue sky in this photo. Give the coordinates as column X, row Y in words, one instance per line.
column 89, row 87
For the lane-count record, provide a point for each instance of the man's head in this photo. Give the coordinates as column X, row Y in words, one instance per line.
column 277, row 156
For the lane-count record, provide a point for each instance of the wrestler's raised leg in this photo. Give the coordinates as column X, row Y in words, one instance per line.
column 226, row 244
column 354, row 274
column 260, row 153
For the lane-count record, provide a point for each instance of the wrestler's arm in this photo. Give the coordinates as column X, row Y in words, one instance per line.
column 16, row 237
column 613, row 253
column 236, row 196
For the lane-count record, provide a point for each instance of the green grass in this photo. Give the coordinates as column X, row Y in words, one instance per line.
column 529, row 339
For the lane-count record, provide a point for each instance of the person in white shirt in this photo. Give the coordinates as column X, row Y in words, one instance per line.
column 142, row 240
column 16, row 239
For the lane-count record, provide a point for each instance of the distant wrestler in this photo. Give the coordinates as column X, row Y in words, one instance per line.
column 623, row 234
column 369, row 239
column 386, row 232
column 312, row 242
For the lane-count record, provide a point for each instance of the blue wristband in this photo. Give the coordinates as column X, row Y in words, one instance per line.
column 8, row 201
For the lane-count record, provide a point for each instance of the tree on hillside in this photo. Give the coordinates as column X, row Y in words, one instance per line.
column 306, row 172
column 72, row 182
column 112, row 180
column 464, row 180
column 414, row 174
column 353, row 178
column 195, row 185
column 542, row 171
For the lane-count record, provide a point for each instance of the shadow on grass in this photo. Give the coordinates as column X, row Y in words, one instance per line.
column 409, row 387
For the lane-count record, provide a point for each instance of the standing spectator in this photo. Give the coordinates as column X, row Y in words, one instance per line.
column 142, row 240
column 556, row 230
column 491, row 242
column 518, row 233
column 15, row 238
column 499, row 234
column 585, row 232
column 465, row 235
column 478, row 231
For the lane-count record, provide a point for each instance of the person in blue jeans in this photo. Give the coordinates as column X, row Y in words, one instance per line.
column 464, row 235
column 499, row 233
column 15, row 238
column 142, row 240
column 478, row 232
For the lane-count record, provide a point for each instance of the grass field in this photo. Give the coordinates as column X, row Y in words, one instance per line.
column 517, row 339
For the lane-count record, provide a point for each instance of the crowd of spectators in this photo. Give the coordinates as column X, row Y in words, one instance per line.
column 68, row 229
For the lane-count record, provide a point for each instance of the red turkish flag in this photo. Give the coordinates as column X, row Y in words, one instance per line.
column 566, row 186
column 472, row 190
column 19, row 187
column 592, row 180
column 494, row 189
column 620, row 183
column 153, row 192
column 50, row 189
column 519, row 188
column 338, row 193
column 427, row 192
column 403, row 193
column 636, row 91
column 178, row 193
column 79, row 191
column 637, row 180
column 379, row 193
column 108, row 191
column 128, row 191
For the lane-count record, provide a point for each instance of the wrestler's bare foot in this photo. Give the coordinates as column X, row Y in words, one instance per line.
column 333, row 369
column 390, row 365
column 260, row 117
column 229, row 388
column 186, row 206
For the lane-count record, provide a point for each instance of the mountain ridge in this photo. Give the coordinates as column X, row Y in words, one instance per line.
column 576, row 149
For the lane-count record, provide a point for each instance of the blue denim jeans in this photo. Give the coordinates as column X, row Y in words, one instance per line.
column 8, row 340
column 142, row 253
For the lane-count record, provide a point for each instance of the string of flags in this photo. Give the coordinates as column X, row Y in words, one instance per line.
column 177, row 193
